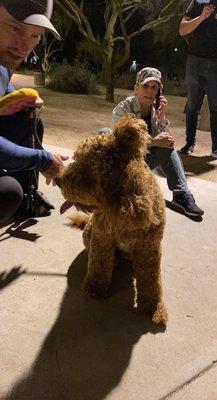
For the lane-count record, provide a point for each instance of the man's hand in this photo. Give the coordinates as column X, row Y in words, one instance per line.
column 55, row 167
column 207, row 11
column 35, row 108
column 163, row 139
column 188, row 25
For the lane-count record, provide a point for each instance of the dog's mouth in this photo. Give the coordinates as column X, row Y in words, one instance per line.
column 80, row 207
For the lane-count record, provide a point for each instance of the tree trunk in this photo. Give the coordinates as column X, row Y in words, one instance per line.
column 110, row 90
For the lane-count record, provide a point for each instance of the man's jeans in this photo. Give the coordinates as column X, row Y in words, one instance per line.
column 201, row 79
column 172, row 166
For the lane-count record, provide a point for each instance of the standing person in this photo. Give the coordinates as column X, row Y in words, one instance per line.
column 22, row 23
column 148, row 103
column 200, row 26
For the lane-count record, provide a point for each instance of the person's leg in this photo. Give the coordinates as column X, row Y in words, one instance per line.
column 195, row 82
column 172, row 166
column 211, row 82
column 11, row 195
column 19, row 128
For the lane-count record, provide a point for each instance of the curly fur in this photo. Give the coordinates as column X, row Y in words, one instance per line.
column 110, row 176
column 79, row 221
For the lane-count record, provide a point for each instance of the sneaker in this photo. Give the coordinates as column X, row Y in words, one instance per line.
column 185, row 203
column 187, row 149
column 214, row 153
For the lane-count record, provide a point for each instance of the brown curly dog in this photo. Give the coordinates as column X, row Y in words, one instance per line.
column 110, row 176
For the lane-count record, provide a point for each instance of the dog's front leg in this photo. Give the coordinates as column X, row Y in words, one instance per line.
column 100, row 266
column 148, row 283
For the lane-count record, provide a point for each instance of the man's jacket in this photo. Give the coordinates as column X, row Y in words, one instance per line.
column 12, row 156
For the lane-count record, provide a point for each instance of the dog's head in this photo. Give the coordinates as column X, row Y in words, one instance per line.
column 108, row 172
column 132, row 136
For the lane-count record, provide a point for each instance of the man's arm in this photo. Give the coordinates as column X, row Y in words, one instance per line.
column 188, row 24
column 10, row 89
column 18, row 158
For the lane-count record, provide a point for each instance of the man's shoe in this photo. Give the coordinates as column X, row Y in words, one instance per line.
column 185, row 203
column 44, row 201
column 214, row 153
column 187, row 149
column 34, row 204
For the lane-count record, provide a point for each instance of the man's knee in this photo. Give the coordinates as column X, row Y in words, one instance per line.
column 11, row 195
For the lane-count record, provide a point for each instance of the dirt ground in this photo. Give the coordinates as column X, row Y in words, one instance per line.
column 69, row 118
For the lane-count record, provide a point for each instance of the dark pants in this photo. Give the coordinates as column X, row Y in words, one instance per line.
column 11, row 195
column 18, row 129
column 171, row 165
column 201, row 79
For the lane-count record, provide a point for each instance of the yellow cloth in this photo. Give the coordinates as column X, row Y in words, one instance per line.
column 17, row 100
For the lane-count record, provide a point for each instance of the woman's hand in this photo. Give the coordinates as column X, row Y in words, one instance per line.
column 163, row 139
column 161, row 111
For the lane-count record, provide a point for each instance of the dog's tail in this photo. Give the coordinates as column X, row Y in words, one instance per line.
column 79, row 221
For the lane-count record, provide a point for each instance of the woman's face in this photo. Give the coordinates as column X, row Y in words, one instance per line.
column 147, row 93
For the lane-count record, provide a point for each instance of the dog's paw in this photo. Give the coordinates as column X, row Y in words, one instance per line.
column 94, row 288
column 158, row 316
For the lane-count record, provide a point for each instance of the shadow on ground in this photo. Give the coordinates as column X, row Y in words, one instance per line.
column 6, row 278
column 195, row 165
column 171, row 206
column 18, row 230
column 89, row 346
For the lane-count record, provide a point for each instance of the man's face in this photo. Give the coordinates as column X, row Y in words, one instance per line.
column 147, row 93
column 16, row 39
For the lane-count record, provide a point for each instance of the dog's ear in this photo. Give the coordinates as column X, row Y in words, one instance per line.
column 132, row 133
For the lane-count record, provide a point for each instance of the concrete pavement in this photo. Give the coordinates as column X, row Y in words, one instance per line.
column 57, row 344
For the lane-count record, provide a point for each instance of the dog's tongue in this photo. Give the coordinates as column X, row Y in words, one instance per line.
column 65, row 206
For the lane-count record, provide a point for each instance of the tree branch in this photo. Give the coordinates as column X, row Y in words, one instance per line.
column 74, row 12
column 129, row 16
column 160, row 20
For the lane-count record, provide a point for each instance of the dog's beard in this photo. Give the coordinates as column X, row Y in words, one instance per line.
column 84, row 208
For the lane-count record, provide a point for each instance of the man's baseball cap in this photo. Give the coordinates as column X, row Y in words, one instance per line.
column 148, row 74
column 32, row 12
